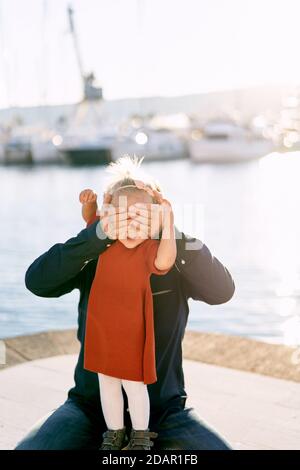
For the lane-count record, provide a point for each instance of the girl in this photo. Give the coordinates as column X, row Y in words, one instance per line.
column 119, row 338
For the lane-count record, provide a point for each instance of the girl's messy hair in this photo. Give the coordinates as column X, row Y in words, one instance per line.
column 124, row 173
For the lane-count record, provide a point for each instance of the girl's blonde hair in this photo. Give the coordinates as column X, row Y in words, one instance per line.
column 125, row 171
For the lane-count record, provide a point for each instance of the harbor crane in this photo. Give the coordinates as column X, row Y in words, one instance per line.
column 90, row 91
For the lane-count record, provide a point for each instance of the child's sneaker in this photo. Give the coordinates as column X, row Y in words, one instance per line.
column 113, row 439
column 140, row 440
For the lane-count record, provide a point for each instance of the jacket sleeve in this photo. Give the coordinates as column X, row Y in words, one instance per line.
column 92, row 220
column 203, row 276
column 57, row 271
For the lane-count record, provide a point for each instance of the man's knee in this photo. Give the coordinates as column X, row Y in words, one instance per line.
column 29, row 439
column 68, row 427
column 184, row 430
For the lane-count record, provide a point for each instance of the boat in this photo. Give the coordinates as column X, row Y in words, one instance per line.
column 138, row 137
column 287, row 128
column 2, row 142
column 223, row 140
column 31, row 145
column 44, row 146
column 1, row 153
column 86, row 150
column 17, row 148
column 88, row 138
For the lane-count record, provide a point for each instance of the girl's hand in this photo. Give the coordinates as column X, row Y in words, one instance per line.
column 88, row 199
column 167, row 220
column 87, row 196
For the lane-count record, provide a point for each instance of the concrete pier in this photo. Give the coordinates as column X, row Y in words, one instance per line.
column 251, row 410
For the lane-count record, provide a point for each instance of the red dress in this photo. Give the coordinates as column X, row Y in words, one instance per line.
column 119, row 337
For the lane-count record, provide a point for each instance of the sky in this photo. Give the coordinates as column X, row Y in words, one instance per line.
column 145, row 47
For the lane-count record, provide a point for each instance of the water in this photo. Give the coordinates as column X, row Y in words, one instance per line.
column 250, row 222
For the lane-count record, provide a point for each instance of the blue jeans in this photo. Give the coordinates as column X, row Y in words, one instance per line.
column 72, row 426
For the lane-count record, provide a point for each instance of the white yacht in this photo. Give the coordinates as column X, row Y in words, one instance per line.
column 141, row 139
column 1, row 153
column 222, row 140
column 44, row 148
column 287, row 129
column 17, row 148
column 30, row 145
column 2, row 142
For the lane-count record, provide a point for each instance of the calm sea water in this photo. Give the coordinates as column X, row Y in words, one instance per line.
column 249, row 220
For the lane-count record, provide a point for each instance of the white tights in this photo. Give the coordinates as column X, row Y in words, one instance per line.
column 113, row 404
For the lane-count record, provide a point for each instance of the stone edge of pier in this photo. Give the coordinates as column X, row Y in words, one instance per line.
column 234, row 352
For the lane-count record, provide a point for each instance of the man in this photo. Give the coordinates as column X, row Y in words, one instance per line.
column 79, row 422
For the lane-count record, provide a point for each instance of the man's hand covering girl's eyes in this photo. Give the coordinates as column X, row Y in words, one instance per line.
column 114, row 220
column 143, row 220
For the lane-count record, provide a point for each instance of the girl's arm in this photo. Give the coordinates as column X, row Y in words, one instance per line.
column 167, row 250
column 88, row 200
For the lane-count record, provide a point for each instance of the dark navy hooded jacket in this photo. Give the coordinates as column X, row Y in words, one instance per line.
column 197, row 274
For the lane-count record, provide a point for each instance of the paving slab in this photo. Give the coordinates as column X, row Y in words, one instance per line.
column 250, row 410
